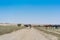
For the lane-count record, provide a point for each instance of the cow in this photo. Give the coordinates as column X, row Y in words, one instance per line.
column 56, row 26
column 28, row 25
column 48, row 26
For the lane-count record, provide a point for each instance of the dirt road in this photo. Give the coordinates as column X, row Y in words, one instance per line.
column 27, row 34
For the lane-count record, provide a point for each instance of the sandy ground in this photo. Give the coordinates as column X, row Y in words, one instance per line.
column 27, row 34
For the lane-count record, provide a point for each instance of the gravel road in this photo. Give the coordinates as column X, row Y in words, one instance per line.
column 27, row 34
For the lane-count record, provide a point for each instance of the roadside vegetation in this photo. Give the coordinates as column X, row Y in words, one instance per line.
column 52, row 31
column 8, row 29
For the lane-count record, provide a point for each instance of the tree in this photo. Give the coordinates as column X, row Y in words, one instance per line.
column 18, row 24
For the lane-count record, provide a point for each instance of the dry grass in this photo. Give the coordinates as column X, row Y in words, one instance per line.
column 48, row 32
column 8, row 29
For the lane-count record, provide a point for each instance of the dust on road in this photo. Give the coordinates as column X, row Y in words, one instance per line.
column 26, row 34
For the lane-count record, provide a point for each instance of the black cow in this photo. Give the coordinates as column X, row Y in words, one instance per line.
column 26, row 25
column 56, row 26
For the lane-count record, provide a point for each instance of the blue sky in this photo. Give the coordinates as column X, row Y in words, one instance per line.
column 30, row 11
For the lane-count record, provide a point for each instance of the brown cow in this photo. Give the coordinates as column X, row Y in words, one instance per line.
column 48, row 26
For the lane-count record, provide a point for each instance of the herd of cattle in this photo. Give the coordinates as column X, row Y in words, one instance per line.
column 47, row 26
column 52, row 26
